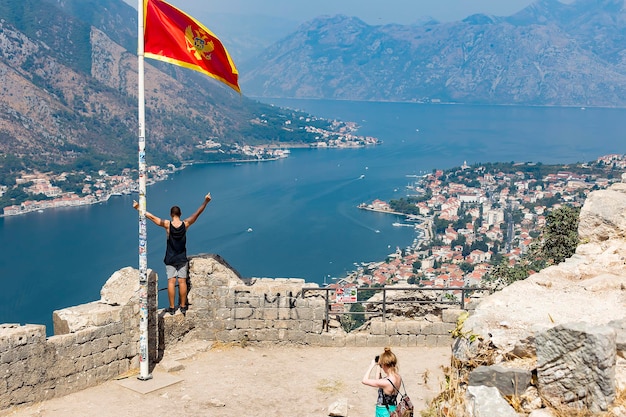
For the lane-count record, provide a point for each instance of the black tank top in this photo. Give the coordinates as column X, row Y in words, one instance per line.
column 176, row 251
column 386, row 399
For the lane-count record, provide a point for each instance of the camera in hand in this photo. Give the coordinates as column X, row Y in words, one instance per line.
column 376, row 358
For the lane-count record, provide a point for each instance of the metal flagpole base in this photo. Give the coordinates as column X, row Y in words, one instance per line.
column 144, row 378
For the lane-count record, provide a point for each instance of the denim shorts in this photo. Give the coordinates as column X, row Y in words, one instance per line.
column 178, row 271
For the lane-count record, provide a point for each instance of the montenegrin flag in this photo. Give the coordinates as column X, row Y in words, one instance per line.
column 172, row 36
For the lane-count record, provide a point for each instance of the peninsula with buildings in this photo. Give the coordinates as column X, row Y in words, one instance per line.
column 470, row 218
column 38, row 191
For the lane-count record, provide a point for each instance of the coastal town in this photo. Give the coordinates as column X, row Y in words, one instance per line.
column 67, row 189
column 467, row 217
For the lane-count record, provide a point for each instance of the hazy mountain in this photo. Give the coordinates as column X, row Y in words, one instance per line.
column 245, row 36
column 69, row 93
column 547, row 54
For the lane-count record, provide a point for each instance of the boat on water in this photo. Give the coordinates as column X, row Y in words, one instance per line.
column 249, row 229
column 402, row 225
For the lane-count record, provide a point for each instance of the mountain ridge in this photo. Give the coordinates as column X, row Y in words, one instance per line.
column 549, row 53
column 70, row 96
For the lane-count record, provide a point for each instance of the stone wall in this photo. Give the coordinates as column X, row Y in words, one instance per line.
column 226, row 308
column 98, row 341
column 93, row 343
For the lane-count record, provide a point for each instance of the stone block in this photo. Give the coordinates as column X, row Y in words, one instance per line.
column 451, row 315
column 226, row 302
column 115, row 328
column 508, row 381
column 576, row 365
column 377, row 328
column 123, row 286
column 250, row 301
column 350, row 340
column 85, row 349
column 443, row 340
column 390, row 328
column 295, row 336
column 438, row 328
column 223, row 313
column 283, row 313
column 360, row 339
column 100, row 345
column 115, row 340
column 73, row 319
column 60, row 369
column 243, row 313
column 8, row 356
column 487, row 401
column 377, row 340
column 313, row 339
column 225, row 335
column 307, row 326
column 270, row 313
column 257, row 324
column 86, row 363
column 24, row 395
column 408, row 327
column 109, row 356
column 304, row 313
column 319, row 313
column 431, row 340
column 124, row 351
column 420, row 340
column 268, row 335
column 229, row 324
column 395, row 340
column 242, row 324
column 85, row 336
column 36, row 376
column 332, row 340
column 14, row 335
column 284, row 324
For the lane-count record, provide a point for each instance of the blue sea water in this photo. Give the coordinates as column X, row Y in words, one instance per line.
column 302, row 210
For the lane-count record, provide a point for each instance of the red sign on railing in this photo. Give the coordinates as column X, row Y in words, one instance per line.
column 345, row 295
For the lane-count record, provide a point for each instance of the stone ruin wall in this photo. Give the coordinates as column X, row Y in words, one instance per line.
column 93, row 343
column 99, row 341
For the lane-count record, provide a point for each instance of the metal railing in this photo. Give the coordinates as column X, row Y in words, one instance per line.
column 412, row 299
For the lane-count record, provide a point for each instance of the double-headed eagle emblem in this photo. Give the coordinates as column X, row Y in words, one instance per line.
column 199, row 42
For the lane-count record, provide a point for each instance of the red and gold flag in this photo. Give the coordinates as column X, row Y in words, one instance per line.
column 172, row 36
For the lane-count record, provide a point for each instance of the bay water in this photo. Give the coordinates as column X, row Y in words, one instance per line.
column 295, row 217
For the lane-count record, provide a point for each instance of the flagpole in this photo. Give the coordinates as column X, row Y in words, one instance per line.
column 144, row 368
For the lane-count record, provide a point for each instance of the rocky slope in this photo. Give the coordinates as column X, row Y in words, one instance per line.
column 69, row 88
column 562, row 330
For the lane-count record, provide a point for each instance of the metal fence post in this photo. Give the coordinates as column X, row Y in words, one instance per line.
column 463, row 299
column 327, row 307
column 384, row 304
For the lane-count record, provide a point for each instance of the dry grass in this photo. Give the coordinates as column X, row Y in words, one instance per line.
column 564, row 411
column 330, row 385
column 225, row 345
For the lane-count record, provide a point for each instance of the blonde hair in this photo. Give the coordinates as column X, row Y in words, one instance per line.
column 389, row 360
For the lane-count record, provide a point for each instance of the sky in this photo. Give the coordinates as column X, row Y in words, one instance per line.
column 371, row 11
